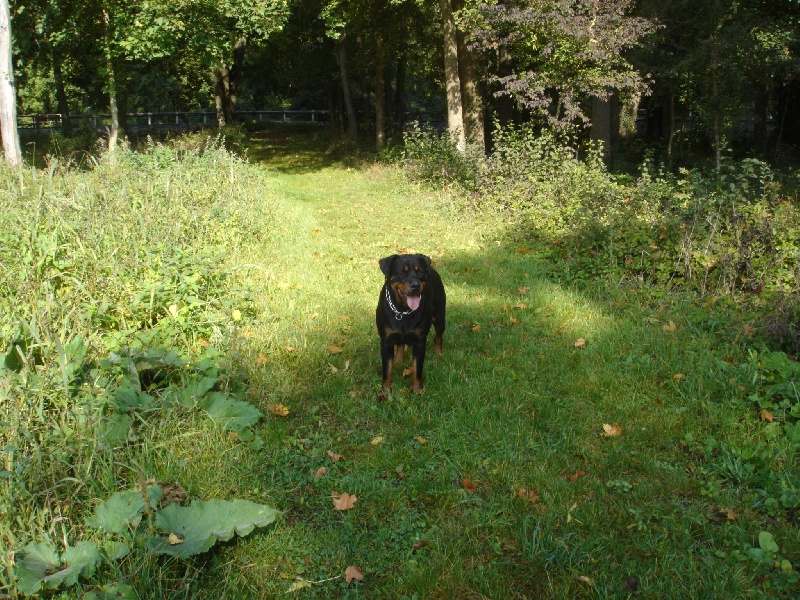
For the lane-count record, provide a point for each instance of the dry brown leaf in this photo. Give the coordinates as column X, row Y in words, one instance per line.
column 766, row 415
column 677, row 376
column 320, row 472
column 420, row 439
column 262, row 359
column 670, row 327
column 580, row 343
column 376, row 440
column 203, row 342
column 343, row 501
column 420, row 544
column 520, row 306
column 279, row 410
column 741, row 388
column 334, row 349
column 528, row 495
column 748, row 330
column 523, row 290
column 585, row 579
column 334, row 457
column 315, row 232
column 469, row 485
column 408, row 371
column 611, row 430
column 577, row 475
column 353, row 394
column 476, row 329
column 512, row 320
column 290, row 348
column 728, row 514
column 353, row 573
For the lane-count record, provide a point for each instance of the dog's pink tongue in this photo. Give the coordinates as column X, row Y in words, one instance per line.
column 413, row 302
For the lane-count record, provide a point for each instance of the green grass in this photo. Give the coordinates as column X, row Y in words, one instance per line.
column 511, row 404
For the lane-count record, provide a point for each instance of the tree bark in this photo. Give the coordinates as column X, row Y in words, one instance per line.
column 471, row 100
column 352, row 123
column 222, row 95
column 380, row 93
column 455, row 114
column 111, row 81
column 235, row 75
column 8, row 99
column 61, row 94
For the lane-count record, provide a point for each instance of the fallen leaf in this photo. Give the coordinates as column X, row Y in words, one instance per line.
column 580, row 343
column 728, row 514
column 766, row 415
column 670, row 327
column 376, row 440
column 315, row 232
column 611, row 430
column 523, row 290
column 520, row 306
column 353, row 394
column 334, row 349
column 585, row 579
column 236, row 315
column 677, row 376
column 320, row 472
column 299, row 585
column 203, row 342
column 577, row 475
column 279, row 410
column 476, row 329
column 420, row 544
column 353, row 573
column 175, row 538
column 741, row 388
column 334, row 457
column 408, row 371
column 420, row 439
column 528, row 495
column 512, row 320
column 262, row 359
column 333, row 369
column 343, row 501
column 469, row 485
column 290, row 348
column 748, row 330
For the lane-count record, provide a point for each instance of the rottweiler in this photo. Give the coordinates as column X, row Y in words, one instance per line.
column 411, row 300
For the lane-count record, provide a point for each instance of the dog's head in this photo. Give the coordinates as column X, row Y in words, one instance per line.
column 406, row 275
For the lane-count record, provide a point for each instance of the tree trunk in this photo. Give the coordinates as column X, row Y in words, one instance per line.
column 380, row 93
column 472, row 102
column 455, row 114
column 111, row 81
column 400, row 92
column 352, row 123
column 61, row 95
column 8, row 99
column 235, row 75
column 671, row 128
column 221, row 83
column 601, row 125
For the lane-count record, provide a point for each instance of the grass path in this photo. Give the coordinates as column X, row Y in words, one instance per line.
column 513, row 404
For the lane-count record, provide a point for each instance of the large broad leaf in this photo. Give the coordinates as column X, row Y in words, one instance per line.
column 113, row 591
column 190, row 395
column 39, row 565
column 194, row 529
column 124, row 509
column 235, row 415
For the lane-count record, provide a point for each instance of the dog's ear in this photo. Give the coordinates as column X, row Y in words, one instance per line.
column 427, row 259
column 386, row 264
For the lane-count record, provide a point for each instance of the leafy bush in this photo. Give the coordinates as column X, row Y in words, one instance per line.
column 432, row 157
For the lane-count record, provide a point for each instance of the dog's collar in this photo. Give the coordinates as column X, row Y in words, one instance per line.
column 399, row 315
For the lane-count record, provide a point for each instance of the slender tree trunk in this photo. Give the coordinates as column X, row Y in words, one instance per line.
column 380, row 93
column 601, row 125
column 471, row 100
column 221, row 83
column 455, row 114
column 352, row 123
column 61, row 94
column 8, row 99
column 235, row 75
column 111, row 80
column 400, row 91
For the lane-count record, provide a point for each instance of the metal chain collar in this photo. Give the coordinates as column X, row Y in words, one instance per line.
column 396, row 312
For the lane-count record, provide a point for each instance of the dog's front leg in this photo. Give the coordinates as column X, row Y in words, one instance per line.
column 387, row 357
column 418, row 352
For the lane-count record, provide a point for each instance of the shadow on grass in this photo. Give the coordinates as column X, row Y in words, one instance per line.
column 297, row 148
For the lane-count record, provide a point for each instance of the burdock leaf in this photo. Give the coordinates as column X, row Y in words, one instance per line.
column 235, row 415
column 39, row 565
column 121, row 510
column 205, row 522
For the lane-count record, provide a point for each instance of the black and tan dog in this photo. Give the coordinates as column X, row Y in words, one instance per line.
column 412, row 299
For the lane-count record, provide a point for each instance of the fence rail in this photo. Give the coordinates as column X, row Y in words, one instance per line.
column 157, row 120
